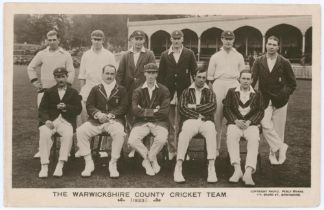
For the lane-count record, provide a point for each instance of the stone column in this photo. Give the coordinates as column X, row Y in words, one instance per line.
column 304, row 41
column 263, row 43
column 199, row 43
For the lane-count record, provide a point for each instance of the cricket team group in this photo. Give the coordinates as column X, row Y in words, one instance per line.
column 173, row 101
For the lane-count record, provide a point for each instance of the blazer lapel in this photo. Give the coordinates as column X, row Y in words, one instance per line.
column 171, row 58
column 154, row 96
column 146, row 96
column 102, row 91
column 141, row 55
column 277, row 64
column 192, row 95
column 113, row 92
column 67, row 94
column 182, row 55
column 131, row 61
column 265, row 63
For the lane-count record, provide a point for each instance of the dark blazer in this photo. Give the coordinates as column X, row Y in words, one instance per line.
column 116, row 104
column 231, row 107
column 206, row 107
column 276, row 85
column 176, row 76
column 129, row 75
column 47, row 109
column 142, row 106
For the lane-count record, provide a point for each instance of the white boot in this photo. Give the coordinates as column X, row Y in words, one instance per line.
column 282, row 153
column 113, row 168
column 212, row 178
column 177, row 176
column 148, row 168
column 89, row 166
column 37, row 155
column 247, row 177
column 59, row 169
column 237, row 175
column 156, row 167
column 273, row 158
column 44, row 171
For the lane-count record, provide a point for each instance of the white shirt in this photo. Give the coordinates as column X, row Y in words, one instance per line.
column 91, row 68
column 176, row 54
column 61, row 92
column 227, row 66
column 136, row 54
column 198, row 91
column 108, row 87
column 271, row 62
column 150, row 90
column 48, row 61
column 244, row 97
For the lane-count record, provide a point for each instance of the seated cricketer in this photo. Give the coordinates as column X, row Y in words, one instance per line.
column 58, row 110
column 150, row 106
column 197, row 106
column 106, row 106
column 244, row 110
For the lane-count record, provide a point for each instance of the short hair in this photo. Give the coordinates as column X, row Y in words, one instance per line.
column 109, row 65
column 273, row 38
column 201, row 69
column 52, row 33
column 245, row 71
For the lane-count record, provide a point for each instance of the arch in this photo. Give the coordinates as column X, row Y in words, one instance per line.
column 190, row 40
column 210, row 42
column 248, row 40
column 290, row 41
column 160, row 41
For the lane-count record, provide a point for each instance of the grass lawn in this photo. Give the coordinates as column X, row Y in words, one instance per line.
column 295, row 172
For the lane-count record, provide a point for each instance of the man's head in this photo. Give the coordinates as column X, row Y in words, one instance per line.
column 177, row 38
column 108, row 73
column 272, row 45
column 60, row 75
column 53, row 40
column 245, row 79
column 138, row 39
column 200, row 77
column 151, row 72
column 97, row 39
column 228, row 39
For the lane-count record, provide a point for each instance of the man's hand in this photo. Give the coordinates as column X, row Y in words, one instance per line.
column 241, row 124
column 156, row 109
column 49, row 124
column 192, row 106
column 110, row 116
column 103, row 118
column 61, row 106
column 247, row 123
column 201, row 117
column 38, row 85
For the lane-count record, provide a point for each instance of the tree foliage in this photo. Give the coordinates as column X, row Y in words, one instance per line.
column 75, row 30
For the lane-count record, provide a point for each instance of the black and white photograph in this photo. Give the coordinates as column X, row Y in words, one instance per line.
column 142, row 106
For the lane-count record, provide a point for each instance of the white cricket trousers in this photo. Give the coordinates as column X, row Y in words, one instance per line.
column 138, row 133
column 252, row 136
column 273, row 126
column 220, row 88
column 191, row 128
column 88, row 130
column 65, row 129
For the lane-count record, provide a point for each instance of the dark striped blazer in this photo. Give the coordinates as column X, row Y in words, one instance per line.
column 206, row 107
column 231, row 107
